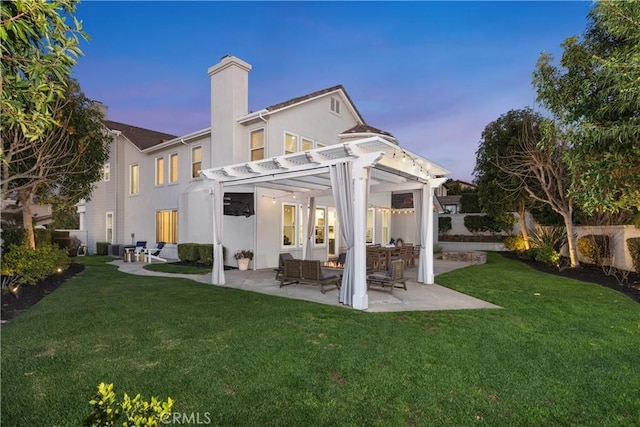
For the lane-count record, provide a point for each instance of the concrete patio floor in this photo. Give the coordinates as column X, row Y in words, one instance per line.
column 417, row 297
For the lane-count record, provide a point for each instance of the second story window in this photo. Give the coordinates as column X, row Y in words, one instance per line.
column 306, row 144
column 196, row 161
column 106, row 172
column 173, row 168
column 335, row 105
column 134, row 179
column 290, row 143
column 160, row 171
column 257, row 144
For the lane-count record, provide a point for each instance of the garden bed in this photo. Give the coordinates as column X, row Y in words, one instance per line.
column 588, row 273
column 28, row 295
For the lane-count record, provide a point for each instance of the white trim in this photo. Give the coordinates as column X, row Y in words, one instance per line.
column 113, row 227
column 155, row 174
column 191, row 164
column 178, row 140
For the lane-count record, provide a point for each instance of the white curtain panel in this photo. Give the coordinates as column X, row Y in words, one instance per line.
column 217, row 274
column 311, row 223
column 419, row 198
column 342, row 187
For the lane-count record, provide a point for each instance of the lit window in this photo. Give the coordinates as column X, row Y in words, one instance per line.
column 289, row 213
column 319, row 226
column 335, row 105
column 106, row 172
column 167, row 226
column 370, row 222
column 160, row 171
column 307, row 144
column 257, row 144
column 173, row 168
column 134, row 179
column 109, row 227
column 290, row 143
column 196, row 161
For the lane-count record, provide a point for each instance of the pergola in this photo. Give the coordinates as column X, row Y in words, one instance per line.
column 348, row 172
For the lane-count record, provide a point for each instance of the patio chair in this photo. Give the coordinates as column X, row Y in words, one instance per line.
column 342, row 258
column 392, row 279
column 280, row 270
column 153, row 254
column 138, row 252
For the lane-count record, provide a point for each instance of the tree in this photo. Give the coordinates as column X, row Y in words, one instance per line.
column 499, row 190
column 62, row 166
column 38, row 50
column 595, row 94
column 537, row 166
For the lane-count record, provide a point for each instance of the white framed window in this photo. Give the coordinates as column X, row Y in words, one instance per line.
column 134, row 179
column 159, row 170
column 173, row 168
column 289, row 228
column 196, row 162
column 290, row 143
column 320, row 227
column 109, row 227
column 306, row 144
column 106, row 172
column 167, row 226
column 257, row 144
column 335, row 105
column 370, row 222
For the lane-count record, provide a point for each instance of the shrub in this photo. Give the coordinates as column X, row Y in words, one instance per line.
column 633, row 244
column 205, row 251
column 444, row 224
column 13, row 236
column 42, row 236
column 594, row 247
column 545, row 254
column 515, row 243
column 553, row 236
column 188, row 252
column 137, row 412
column 243, row 253
column 102, row 248
column 22, row 265
column 476, row 223
column 74, row 245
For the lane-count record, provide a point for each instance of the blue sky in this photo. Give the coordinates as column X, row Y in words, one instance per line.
column 434, row 74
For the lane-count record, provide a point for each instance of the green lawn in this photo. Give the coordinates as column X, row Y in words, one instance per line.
column 569, row 356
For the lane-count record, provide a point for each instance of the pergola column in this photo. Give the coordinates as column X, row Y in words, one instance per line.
column 360, row 176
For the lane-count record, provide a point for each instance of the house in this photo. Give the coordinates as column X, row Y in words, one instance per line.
column 262, row 177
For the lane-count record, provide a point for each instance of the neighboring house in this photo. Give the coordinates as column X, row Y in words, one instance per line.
column 153, row 189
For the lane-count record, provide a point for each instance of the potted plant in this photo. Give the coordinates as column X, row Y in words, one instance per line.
column 243, row 256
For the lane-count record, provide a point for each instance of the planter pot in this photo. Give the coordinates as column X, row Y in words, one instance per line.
column 243, row 263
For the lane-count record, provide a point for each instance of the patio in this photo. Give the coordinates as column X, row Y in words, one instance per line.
column 417, row 297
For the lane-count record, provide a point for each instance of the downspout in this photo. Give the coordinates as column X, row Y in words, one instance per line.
column 117, row 134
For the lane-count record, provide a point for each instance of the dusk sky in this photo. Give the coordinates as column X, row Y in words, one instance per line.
column 434, row 74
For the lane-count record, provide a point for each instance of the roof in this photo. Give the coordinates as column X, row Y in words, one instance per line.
column 449, row 200
column 365, row 128
column 140, row 137
column 312, row 95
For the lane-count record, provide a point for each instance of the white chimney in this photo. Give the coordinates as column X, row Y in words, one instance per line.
column 229, row 100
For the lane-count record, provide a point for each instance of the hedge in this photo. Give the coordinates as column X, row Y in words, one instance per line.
column 594, row 247
column 444, row 224
column 102, row 248
column 200, row 253
column 633, row 244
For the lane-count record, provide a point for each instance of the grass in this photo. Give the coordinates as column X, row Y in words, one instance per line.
column 177, row 268
column 568, row 356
